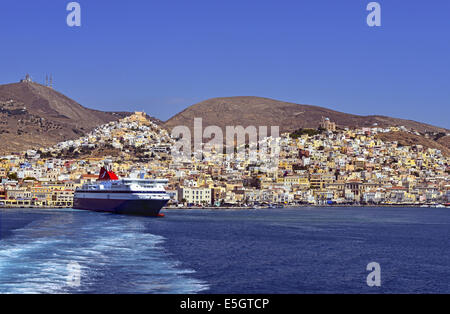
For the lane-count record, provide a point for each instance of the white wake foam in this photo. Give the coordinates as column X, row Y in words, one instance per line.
column 114, row 253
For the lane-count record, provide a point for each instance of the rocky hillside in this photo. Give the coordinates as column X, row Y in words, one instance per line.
column 258, row 111
column 409, row 139
column 34, row 116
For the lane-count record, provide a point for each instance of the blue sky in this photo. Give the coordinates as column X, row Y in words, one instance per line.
column 162, row 56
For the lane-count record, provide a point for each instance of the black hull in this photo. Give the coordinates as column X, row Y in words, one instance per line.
column 123, row 207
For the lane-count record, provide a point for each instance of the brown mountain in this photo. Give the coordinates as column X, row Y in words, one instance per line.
column 258, row 111
column 33, row 116
column 445, row 141
column 409, row 139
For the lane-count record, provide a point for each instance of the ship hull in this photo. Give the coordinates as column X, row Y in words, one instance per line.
column 124, row 207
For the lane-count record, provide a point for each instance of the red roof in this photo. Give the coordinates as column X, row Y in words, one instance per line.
column 86, row 176
column 397, row 188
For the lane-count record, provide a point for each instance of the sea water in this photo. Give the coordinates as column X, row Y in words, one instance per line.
column 301, row 250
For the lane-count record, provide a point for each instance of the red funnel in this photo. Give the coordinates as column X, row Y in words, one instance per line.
column 106, row 175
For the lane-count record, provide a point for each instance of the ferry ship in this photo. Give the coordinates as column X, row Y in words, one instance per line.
column 122, row 196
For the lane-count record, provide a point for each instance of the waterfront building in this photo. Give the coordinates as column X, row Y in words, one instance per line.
column 195, row 195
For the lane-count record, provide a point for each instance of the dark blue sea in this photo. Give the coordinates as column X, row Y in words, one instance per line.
column 305, row 250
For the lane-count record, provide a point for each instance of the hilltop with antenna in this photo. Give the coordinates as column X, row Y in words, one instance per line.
column 48, row 80
column 33, row 115
column 49, row 83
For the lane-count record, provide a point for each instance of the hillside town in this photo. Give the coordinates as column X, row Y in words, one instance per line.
column 329, row 166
